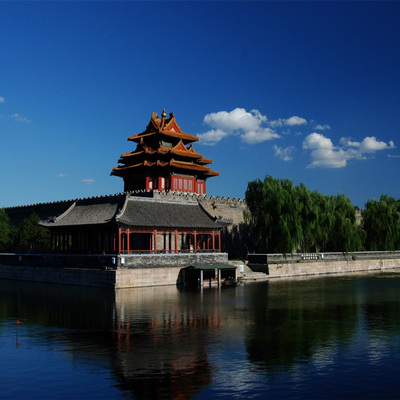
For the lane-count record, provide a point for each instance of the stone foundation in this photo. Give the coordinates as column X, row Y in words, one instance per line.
column 64, row 276
column 123, row 271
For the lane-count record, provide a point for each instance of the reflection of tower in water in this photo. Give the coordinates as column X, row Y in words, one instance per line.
column 162, row 338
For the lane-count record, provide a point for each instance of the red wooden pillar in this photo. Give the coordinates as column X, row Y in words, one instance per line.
column 155, row 241
column 119, row 240
column 213, row 240
column 195, row 241
column 219, row 241
column 127, row 241
column 176, row 241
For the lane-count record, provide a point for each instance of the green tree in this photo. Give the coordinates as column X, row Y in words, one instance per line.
column 32, row 237
column 274, row 213
column 286, row 218
column 308, row 215
column 344, row 234
column 381, row 222
column 6, row 231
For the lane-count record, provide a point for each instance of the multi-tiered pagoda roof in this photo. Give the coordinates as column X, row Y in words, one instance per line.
column 164, row 159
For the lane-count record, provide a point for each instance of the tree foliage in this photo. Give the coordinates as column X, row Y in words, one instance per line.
column 288, row 218
column 32, row 237
column 7, row 232
column 381, row 222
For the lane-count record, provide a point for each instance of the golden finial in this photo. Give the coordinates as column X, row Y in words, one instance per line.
column 164, row 114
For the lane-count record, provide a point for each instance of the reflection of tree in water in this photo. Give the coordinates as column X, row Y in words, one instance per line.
column 384, row 316
column 293, row 320
column 381, row 307
column 59, row 306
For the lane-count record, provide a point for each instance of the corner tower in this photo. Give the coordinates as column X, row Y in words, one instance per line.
column 164, row 159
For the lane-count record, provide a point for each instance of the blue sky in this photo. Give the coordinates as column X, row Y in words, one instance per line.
column 306, row 91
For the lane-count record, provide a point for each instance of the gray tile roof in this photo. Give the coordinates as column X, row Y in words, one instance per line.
column 92, row 211
column 151, row 213
column 135, row 211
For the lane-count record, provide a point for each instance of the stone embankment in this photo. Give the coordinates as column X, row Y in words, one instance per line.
column 107, row 271
column 303, row 264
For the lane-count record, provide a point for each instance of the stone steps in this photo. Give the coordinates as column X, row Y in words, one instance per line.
column 249, row 275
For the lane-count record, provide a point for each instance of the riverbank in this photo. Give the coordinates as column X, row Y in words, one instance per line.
column 109, row 271
column 132, row 271
column 303, row 264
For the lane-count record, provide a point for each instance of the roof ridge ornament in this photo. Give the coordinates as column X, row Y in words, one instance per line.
column 164, row 114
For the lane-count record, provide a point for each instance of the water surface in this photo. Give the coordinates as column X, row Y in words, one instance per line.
column 326, row 338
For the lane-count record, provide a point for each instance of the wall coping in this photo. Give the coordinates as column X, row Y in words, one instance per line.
column 266, row 258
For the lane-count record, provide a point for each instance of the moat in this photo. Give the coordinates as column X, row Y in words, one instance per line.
column 326, row 337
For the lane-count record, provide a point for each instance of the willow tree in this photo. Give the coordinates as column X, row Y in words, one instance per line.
column 274, row 212
column 308, row 218
column 381, row 222
column 287, row 219
column 343, row 233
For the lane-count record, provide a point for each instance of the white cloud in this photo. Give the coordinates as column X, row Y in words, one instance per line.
column 371, row 144
column 277, row 123
column 212, row 137
column 61, row 175
column 249, row 126
column 323, row 152
column 285, row 154
column 236, row 119
column 88, row 181
column 292, row 121
column 19, row 117
column 322, row 127
column 325, row 155
column 2, row 99
column 259, row 135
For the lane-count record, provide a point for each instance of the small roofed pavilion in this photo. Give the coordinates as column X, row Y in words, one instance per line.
column 164, row 159
column 127, row 224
